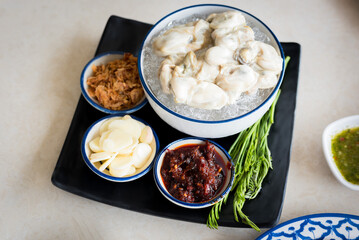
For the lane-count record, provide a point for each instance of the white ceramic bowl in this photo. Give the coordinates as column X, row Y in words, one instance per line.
column 228, row 182
column 329, row 132
column 201, row 128
column 93, row 131
column 87, row 72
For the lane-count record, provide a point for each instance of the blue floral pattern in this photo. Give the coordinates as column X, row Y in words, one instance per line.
column 317, row 226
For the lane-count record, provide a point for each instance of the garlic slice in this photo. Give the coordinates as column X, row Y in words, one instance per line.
column 146, row 135
column 105, row 164
column 126, row 126
column 100, row 156
column 115, row 140
column 122, row 166
column 129, row 149
column 141, row 154
column 104, row 126
column 122, row 162
column 123, row 172
column 95, row 145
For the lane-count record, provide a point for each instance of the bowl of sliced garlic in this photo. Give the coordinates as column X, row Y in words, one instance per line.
column 210, row 70
column 120, row 148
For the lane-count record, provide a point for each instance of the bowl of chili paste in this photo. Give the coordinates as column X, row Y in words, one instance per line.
column 194, row 172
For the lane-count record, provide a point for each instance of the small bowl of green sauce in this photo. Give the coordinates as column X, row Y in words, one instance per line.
column 341, row 149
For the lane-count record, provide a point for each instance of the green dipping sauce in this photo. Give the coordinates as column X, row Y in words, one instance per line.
column 345, row 149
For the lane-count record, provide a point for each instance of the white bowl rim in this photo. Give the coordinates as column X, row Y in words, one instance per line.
column 207, row 121
column 92, row 102
column 109, row 177
column 164, row 191
column 327, row 136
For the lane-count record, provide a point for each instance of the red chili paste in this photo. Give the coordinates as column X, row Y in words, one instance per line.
column 193, row 173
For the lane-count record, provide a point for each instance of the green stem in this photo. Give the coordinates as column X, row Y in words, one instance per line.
column 252, row 159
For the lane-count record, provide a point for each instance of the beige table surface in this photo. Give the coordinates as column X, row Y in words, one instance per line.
column 43, row 48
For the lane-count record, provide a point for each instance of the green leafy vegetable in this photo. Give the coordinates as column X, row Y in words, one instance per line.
column 252, row 159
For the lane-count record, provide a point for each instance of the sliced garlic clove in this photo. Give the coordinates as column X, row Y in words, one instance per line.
column 128, row 150
column 127, row 117
column 130, row 171
column 100, row 156
column 146, row 135
column 141, row 154
column 103, row 137
column 105, row 124
column 116, row 141
column 128, row 126
column 105, row 164
column 121, row 162
column 95, row 145
column 142, row 126
column 122, row 172
column 117, row 124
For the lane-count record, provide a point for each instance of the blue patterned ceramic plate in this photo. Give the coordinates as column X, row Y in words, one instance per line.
column 316, row 226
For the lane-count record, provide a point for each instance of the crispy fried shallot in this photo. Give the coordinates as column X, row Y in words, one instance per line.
column 116, row 85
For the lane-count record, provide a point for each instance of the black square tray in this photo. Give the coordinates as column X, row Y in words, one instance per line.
column 71, row 173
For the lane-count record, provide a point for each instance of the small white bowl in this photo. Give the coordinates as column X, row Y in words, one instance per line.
column 87, row 72
column 204, row 128
column 228, row 181
column 91, row 133
column 329, row 132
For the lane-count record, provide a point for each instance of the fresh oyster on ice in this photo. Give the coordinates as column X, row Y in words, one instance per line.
column 209, row 63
